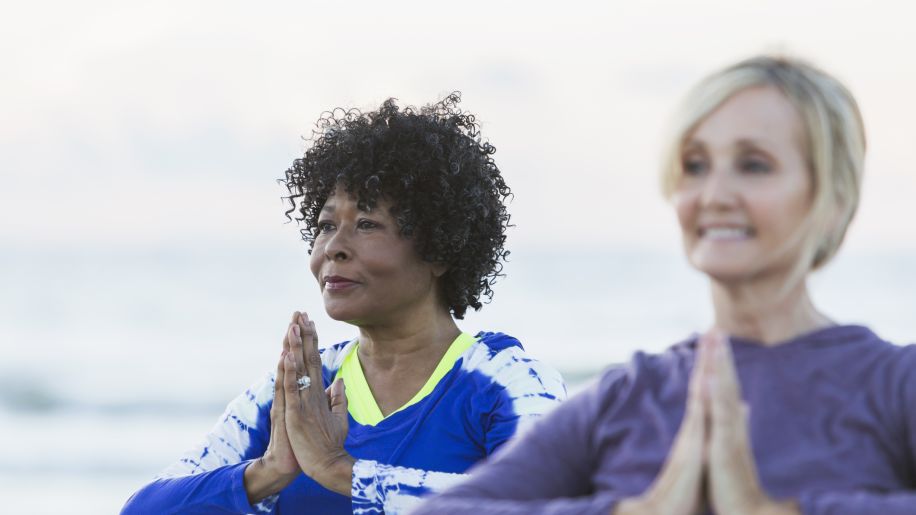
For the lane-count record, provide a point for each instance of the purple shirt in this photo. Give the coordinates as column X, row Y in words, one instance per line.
column 832, row 421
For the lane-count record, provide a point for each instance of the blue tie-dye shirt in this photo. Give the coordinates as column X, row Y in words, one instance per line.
column 492, row 391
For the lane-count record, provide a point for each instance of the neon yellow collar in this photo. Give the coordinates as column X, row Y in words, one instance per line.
column 360, row 401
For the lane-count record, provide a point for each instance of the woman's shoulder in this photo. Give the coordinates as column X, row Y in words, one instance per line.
column 502, row 360
column 499, row 351
column 903, row 350
column 644, row 373
column 858, row 347
column 332, row 357
column 900, row 360
column 649, row 367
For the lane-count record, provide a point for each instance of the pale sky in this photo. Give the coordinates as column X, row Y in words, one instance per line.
column 129, row 123
column 155, row 129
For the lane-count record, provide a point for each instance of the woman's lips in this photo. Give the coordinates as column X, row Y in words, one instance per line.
column 725, row 233
column 335, row 283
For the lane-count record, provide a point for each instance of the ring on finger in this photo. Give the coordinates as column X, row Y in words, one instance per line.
column 304, row 382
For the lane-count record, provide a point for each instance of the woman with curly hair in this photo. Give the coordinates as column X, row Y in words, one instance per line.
column 778, row 409
column 404, row 212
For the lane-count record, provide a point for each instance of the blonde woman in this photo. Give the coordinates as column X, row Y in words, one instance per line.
column 777, row 409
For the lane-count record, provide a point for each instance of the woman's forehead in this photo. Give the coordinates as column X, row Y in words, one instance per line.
column 759, row 115
column 341, row 199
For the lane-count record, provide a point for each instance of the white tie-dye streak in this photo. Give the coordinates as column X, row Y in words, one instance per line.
column 228, row 442
column 379, row 488
column 533, row 387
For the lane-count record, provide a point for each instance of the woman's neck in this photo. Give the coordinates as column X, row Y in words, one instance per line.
column 765, row 312
column 410, row 341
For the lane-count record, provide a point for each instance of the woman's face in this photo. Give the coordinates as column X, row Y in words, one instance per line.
column 367, row 272
column 746, row 188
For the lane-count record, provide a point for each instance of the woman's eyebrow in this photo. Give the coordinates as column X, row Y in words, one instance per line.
column 753, row 143
column 693, row 144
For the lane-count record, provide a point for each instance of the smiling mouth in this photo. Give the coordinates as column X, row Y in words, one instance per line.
column 726, row 233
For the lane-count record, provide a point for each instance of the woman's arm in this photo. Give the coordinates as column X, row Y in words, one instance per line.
column 858, row 503
column 221, row 475
column 210, row 477
column 900, row 502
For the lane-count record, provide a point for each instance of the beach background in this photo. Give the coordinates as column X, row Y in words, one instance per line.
column 146, row 270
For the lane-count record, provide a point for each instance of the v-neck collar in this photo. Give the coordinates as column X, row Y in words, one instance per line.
column 362, row 404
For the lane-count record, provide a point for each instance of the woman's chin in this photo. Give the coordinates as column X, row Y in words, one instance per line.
column 724, row 272
column 338, row 311
column 345, row 314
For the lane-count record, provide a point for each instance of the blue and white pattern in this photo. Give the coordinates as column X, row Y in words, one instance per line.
column 493, row 391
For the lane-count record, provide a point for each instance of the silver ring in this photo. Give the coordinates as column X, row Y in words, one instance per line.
column 304, row 382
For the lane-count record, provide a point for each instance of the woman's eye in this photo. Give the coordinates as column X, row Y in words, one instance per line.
column 366, row 224
column 325, row 227
column 755, row 166
column 694, row 166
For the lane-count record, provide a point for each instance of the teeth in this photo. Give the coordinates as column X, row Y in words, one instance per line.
column 725, row 233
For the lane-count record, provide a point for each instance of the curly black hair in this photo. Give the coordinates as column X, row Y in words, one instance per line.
column 447, row 193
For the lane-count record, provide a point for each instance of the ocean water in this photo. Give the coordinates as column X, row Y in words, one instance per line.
column 112, row 362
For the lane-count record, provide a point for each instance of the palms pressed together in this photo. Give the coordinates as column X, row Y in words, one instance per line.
column 710, row 463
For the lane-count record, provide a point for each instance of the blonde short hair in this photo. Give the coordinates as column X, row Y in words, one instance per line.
column 834, row 133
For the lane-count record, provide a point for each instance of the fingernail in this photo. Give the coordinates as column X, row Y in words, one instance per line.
column 716, row 344
column 720, row 347
column 296, row 330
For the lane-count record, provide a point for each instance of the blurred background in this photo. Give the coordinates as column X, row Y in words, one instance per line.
column 146, row 270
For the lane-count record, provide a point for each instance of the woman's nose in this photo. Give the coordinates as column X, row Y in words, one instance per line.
column 337, row 247
column 718, row 189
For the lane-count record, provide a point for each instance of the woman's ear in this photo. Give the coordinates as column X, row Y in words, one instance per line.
column 439, row 269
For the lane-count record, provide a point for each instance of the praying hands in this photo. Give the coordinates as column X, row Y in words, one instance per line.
column 710, row 464
column 308, row 424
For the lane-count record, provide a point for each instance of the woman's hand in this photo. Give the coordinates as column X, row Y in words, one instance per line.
column 678, row 489
column 278, row 467
column 733, row 485
column 316, row 420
